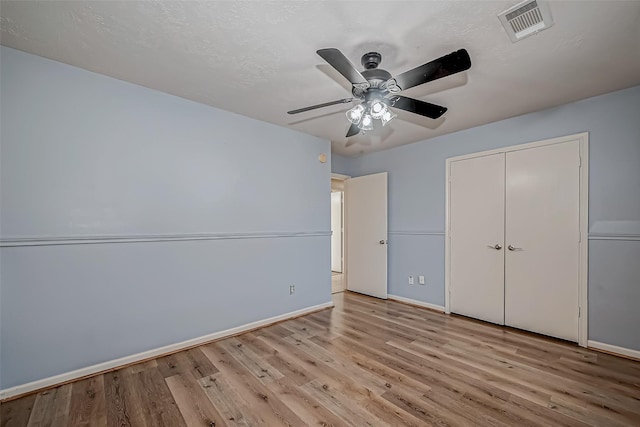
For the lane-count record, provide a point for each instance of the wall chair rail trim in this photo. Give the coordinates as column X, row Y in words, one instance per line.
column 134, row 238
column 416, row 233
column 614, row 236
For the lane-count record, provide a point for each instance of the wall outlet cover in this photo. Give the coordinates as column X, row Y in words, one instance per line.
column 411, row 280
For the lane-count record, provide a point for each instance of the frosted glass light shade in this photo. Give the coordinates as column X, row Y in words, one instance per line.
column 366, row 123
column 354, row 115
column 387, row 116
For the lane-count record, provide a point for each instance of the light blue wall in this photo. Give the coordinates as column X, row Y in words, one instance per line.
column 340, row 164
column 86, row 156
column 417, row 203
column 614, row 292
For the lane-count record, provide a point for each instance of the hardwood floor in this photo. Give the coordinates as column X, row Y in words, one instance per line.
column 365, row 362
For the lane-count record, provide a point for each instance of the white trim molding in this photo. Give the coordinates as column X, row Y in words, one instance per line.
column 133, row 238
column 416, row 233
column 150, row 354
column 623, row 351
column 339, row 176
column 583, row 139
column 415, row 302
column 583, row 272
column 618, row 237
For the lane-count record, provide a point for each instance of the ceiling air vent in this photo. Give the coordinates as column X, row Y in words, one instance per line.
column 526, row 19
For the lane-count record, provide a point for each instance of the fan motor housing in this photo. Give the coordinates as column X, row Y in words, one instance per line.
column 375, row 76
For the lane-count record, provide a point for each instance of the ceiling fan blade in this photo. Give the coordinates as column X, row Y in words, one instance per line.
column 416, row 106
column 337, row 60
column 353, row 130
column 326, row 104
column 447, row 65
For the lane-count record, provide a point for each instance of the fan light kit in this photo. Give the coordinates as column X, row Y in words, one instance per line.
column 362, row 115
column 378, row 90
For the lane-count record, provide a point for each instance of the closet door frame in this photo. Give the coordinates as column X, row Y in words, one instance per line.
column 583, row 140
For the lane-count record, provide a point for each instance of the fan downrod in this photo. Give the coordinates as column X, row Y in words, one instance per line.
column 371, row 60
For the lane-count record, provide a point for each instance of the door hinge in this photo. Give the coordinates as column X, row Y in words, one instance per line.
column 578, row 311
column 579, row 161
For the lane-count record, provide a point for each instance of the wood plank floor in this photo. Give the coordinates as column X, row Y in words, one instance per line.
column 367, row 362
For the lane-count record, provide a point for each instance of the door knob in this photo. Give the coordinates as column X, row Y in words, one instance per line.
column 497, row 246
column 513, row 248
column 382, row 242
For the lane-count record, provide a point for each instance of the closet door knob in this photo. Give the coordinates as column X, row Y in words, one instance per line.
column 513, row 248
column 497, row 246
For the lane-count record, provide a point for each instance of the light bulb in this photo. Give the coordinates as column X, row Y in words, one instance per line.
column 377, row 109
column 387, row 116
column 366, row 123
column 355, row 114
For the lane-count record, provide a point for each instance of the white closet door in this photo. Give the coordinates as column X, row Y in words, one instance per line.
column 366, row 230
column 542, row 227
column 336, row 231
column 477, row 236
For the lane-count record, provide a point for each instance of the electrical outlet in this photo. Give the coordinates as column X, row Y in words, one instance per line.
column 292, row 289
column 421, row 280
column 411, row 280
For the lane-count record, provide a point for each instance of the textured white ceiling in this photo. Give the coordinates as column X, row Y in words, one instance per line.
column 258, row 58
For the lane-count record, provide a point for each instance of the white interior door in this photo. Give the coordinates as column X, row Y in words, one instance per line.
column 336, row 231
column 476, row 198
column 542, row 228
column 366, row 232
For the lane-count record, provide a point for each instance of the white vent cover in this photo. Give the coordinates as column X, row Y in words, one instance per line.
column 526, row 19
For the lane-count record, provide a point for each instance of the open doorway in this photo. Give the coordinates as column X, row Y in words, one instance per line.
column 337, row 233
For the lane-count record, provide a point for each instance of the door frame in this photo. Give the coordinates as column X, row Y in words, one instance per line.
column 583, row 257
column 340, row 177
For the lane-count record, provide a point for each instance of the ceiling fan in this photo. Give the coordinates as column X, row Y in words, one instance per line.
column 378, row 90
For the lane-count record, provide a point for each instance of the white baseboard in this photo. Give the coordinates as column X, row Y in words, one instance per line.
column 416, row 302
column 150, row 354
column 635, row 354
